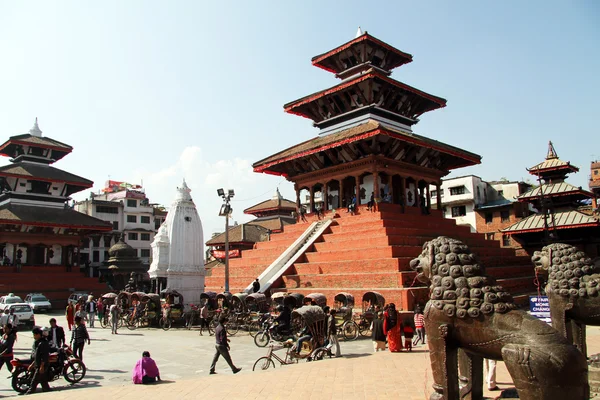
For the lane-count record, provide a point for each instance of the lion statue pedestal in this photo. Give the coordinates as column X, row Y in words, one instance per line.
column 467, row 310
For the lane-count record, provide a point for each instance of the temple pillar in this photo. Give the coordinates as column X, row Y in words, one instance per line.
column 438, row 189
column 376, row 188
column 357, row 178
column 341, row 194
column 403, row 190
column 324, row 196
column 428, row 199
column 312, row 200
column 297, row 196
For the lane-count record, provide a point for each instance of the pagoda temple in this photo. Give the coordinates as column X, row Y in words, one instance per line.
column 560, row 205
column 273, row 214
column 365, row 147
column 39, row 230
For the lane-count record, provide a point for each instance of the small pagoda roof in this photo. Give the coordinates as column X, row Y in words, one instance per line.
column 19, row 214
column 329, row 61
column 428, row 102
column 494, row 204
column 43, row 172
column 276, row 224
column 552, row 163
column 554, row 189
column 563, row 220
column 276, row 203
column 7, row 148
column 243, row 233
column 366, row 130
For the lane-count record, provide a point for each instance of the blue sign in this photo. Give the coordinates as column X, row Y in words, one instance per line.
column 539, row 307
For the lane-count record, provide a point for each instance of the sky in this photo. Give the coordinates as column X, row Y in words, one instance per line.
column 155, row 92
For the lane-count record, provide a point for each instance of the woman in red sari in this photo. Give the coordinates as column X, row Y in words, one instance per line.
column 70, row 314
column 391, row 327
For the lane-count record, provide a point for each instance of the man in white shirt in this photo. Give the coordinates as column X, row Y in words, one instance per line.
column 91, row 308
column 13, row 319
column 4, row 318
column 56, row 334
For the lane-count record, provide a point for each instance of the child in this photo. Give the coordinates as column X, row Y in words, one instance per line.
column 377, row 333
column 419, row 326
column 408, row 330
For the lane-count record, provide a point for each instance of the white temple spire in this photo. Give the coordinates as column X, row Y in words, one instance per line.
column 35, row 131
column 359, row 32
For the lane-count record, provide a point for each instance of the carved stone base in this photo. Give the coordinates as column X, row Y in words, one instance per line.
column 508, row 394
column 594, row 379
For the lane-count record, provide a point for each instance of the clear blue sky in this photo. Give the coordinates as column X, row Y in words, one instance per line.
column 159, row 91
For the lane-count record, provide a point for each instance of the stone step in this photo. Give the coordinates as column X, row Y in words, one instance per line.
column 353, row 266
column 351, row 280
column 240, row 271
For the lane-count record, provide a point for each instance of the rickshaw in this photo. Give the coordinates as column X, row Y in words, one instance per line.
column 144, row 310
column 316, row 299
column 107, row 299
column 343, row 303
column 293, row 300
column 238, row 302
column 278, row 298
column 246, row 311
column 372, row 302
column 210, row 298
column 257, row 302
column 224, row 300
column 172, row 308
column 313, row 349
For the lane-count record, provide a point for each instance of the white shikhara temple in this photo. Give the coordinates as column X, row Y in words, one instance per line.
column 177, row 250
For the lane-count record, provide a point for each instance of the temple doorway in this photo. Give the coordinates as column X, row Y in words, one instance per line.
column 36, row 255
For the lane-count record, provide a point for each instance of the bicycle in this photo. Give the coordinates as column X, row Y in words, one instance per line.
column 265, row 362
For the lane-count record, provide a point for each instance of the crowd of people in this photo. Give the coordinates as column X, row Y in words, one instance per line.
column 388, row 329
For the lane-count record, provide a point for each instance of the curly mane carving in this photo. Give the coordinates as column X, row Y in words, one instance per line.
column 457, row 285
column 571, row 273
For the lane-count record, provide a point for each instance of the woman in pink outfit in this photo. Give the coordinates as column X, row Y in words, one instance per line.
column 145, row 370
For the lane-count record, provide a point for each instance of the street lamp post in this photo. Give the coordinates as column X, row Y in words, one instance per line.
column 226, row 212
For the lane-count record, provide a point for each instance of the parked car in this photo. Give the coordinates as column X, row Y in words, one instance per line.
column 25, row 314
column 10, row 298
column 38, row 302
column 74, row 297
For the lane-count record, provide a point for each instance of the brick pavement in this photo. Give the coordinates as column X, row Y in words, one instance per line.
column 383, row 375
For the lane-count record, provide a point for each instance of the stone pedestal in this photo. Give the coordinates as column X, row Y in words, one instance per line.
column 189, row 285
column 594, row 379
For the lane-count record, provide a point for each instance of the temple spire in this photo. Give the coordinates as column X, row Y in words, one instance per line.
column 35, row 131
column 551, row 152
column 359, row 32
column 277, row 195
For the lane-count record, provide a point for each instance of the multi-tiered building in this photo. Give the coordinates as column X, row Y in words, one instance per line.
column 560, row 217
column 38, row 227
column 366, row 145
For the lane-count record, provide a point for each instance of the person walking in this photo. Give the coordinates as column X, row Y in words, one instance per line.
column 490, row 374
column 13, row 319
column 204, row 317
column 332, row 331
column 377, row 334
column 7, row 341
column 91, row 308
column 70, row 315
column 222, row 347
column 101, row 306
column 419, row 326
column 39, row 356
column 114, row 318
column 56, row 335
column 4, row 318
column 79, row 337
column 392, row 328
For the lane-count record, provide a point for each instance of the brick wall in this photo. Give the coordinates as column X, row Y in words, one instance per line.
column 492, row 229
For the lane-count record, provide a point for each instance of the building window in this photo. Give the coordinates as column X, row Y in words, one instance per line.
column 132, row 236
column 489, row 217
column 144, row 219
column 505, row 215
column 505, row 240
column 157, row 223
column 478, row 193
column 489, row 236
column 132, row 218
column 107, row 209
column 106, row 256
column 433, row 194
column 459, row 211
column 96, row 256
column 115, row 225
column 145, row 237
column 457, row 190
column 131, row 203
column 595, row 172
column 145, row 252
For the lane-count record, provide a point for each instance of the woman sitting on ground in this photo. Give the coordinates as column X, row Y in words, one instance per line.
column 145, row 370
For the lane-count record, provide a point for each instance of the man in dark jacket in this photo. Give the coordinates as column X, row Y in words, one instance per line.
column 377, row 333
column 56, row 335
column 222, row 347
column 79, row 337
column 256, row 286
column 7, row 342
column 39, row 366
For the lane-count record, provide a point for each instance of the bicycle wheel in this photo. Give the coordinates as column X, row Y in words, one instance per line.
column 261, row 339
column 103, row 322
column 167, row 324
column 263, row 363
column 350, row 330
column 131, row 325
column 364, row 328
column 74, row 371
column 253, row 328
column 232, row 328
column 319, row 354
column 191, row 321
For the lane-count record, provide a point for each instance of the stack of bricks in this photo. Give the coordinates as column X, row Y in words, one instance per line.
column 371, row 251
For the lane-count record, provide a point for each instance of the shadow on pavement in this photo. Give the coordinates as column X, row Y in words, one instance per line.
column 81, row 385
column 355, row 355
column 110, row 371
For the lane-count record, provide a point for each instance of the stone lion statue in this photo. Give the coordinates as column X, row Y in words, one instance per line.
column 573, row 282
column 467, row 310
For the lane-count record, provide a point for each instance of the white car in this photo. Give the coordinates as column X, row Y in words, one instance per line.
column 9, row 299
column 25, row 314
column 74, row 297
column 38, row 302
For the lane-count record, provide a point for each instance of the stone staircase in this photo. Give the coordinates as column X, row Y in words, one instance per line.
column 371, row 251
column 53, row 281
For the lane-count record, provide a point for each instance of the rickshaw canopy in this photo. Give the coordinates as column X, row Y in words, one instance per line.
column 293, row 300
column 238, row 301
column 346, row 299
column 374, row 298
column 319, row 298
column 310, row 314
column 259, row 299
column 225, row 298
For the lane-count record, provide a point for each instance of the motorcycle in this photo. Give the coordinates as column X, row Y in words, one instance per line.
column 60, row 363
column 271, row 331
